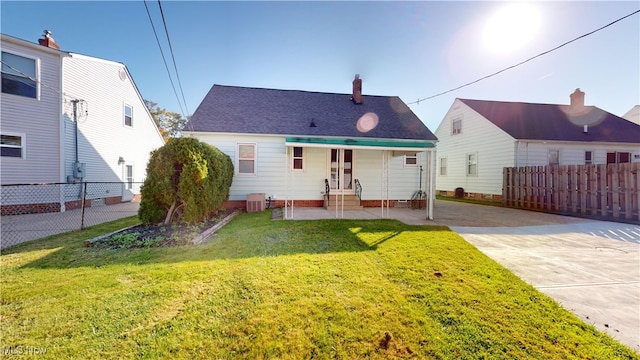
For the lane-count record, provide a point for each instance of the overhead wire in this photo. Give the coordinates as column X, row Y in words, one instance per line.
column 164, row 59
column 175, row 67
column 525, row 61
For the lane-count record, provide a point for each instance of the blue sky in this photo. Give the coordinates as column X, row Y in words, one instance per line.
column 410, row 49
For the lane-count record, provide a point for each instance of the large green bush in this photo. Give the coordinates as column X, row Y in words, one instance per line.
column 187, row 181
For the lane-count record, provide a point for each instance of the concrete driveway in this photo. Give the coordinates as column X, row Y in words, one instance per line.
column 590, row 267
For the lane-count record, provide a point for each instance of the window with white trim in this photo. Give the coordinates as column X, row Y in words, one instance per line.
column 443, row 166
column 129, row 176
column 19, row 75
column 472, row 164
column 128, row 115
column 297, row 159
column 12, row 145
column 554, row 157
column 618, row 157
column 456, row 127
column 588, row 157
column 246, row 156
column 410, row 159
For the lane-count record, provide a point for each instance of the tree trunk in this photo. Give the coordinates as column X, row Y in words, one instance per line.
column 169, row 217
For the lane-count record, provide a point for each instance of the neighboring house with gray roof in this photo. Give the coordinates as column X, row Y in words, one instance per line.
column 477, row 139
column 296, row 146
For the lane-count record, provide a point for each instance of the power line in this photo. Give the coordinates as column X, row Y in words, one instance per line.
column 525, row 61
column 163, row 58
column 175, row 67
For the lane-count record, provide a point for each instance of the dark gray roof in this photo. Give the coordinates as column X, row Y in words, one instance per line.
column 232, row 109
column 527, row 121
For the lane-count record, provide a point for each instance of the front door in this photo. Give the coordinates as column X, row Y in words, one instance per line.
column 341, row 170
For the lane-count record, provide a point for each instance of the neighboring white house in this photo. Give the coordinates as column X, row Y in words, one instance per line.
column 633, row 115
column 71, row 118
column 303, row 148
column 477, row 139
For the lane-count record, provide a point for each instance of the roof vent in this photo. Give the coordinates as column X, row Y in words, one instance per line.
column 313, row 123
column 586, row 129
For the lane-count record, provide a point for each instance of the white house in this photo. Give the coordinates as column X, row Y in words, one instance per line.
column 633, row 114
column 300, row 148
column 478, row 138
column 70, row 118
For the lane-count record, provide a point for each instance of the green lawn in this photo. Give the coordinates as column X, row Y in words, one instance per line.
column 285, row 290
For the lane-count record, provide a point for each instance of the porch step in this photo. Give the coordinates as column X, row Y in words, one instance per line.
column 351, row 202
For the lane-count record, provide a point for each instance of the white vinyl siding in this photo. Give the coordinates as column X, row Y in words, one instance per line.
column 37, row 119
column 103, row 137
column 536, row 153
column 494, row 149
column 274, row 179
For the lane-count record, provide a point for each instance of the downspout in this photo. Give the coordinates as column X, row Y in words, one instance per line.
column 515, row 153
column 75, row 121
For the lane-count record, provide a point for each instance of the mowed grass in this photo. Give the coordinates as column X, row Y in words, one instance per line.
column 261, row 289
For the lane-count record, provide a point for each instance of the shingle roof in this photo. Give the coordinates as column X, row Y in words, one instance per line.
column 527, row 121
column 232, row 109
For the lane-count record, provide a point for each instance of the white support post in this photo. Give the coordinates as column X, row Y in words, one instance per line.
column 431, row 188
column 286, row 182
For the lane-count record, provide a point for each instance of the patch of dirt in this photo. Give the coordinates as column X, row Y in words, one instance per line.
column 146, row 236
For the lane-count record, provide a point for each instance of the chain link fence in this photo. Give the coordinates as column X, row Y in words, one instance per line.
column 33, row 211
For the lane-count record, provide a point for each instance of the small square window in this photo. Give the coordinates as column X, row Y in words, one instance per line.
column 411, row 160
column 298, row 163
column 12, row 145
column 128, row 115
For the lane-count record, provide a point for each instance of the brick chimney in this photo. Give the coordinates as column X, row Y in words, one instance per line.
column 357, row 90
column 577, row 101
column 48, row 41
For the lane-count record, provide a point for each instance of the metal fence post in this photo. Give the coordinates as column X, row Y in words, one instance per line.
column 84, row 195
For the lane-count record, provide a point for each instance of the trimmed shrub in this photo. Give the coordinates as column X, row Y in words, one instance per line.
column 187, row 182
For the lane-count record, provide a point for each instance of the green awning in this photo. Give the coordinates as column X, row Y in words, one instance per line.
column 375, row 143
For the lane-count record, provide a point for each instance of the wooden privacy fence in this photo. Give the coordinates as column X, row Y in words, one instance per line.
column 611, row 190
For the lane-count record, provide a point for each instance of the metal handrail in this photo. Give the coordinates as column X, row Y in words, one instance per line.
column 358, row 189
column 326, row 189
